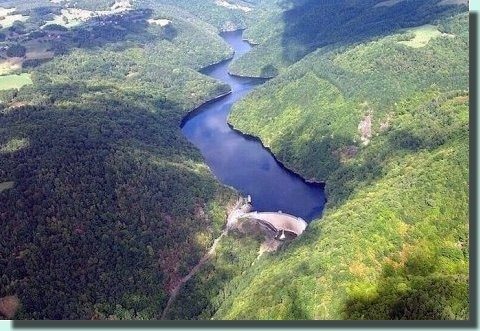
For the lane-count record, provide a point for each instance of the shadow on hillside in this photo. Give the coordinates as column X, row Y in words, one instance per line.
column 311, row 24
column 412, row 291
column 104, row 210
column 296, row 310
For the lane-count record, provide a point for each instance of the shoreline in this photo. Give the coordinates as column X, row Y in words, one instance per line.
column 191, row 113
column 198, row 109
column 195, row 111
column 282, row 164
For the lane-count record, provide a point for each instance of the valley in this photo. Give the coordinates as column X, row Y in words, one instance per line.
column 158, row 159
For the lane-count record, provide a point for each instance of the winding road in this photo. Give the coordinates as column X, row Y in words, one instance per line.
column 192, row 273
column 232, row 217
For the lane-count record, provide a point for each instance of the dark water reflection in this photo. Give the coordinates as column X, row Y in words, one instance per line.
column 242, row 162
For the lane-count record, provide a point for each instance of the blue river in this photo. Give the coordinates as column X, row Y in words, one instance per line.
column 242, row 162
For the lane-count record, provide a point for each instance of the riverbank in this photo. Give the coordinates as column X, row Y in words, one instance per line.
column 286, row 167
column 196, row 110
column 242, row 161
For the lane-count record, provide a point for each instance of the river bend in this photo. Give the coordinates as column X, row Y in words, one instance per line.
column 242, row 162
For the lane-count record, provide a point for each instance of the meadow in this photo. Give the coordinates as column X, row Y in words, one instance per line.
column 14, row 81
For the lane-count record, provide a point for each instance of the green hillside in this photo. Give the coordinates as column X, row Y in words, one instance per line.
column 286, row 31
column 310, row 115
column 107, row 205
column 396, row 250
column 386, row 126
column 224, row 15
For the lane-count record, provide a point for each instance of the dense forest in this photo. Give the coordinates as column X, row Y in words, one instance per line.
column 109, row 204
column 105, row 205
column 385, row 124
column 288, row 30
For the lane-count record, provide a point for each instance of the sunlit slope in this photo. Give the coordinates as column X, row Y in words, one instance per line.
column 286, row 31
column 396, row 250
column 325, row 108
column 224, row 15
column 385, row 124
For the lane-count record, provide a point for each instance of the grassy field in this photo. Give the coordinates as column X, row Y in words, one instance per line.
column 7, row 17
column 59, row 19
column 14, row 81
column 8, row 66
column 14, row 145
column 422, row 35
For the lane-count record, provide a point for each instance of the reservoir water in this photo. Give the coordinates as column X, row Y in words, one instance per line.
column 242, row 162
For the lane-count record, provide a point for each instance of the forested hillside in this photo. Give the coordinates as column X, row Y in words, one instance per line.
column 385, row 124
column 104, row 205
column 398, row 249
column 286, row 31
column 225, row 15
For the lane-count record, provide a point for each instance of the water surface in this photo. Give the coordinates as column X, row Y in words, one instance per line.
column 242, row 162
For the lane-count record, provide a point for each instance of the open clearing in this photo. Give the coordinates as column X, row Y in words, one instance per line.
column 159, row 21
column 71, row 17
column 38, row 50
column 10, row 65
column 7, row 17
column 423, row 34
column 229, row 5
column 14, row 81
column 6, row 185
column 14, row 145
column 388, row 3
column 66, row 19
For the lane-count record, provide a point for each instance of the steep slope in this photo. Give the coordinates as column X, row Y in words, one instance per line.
column 225, row 15
column 385, row 124
column 396, row 250
column 316, row 116
column 286, row 31
column 107, row 205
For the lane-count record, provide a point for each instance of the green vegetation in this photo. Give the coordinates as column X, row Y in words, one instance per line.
column 9, row 16
column 310, row 115
column 289, row 30
column 422, row 35
column 16, row 51
column 89, row 4
column 111, row 205
column 232, row 15
column 398, row 249
column 131, row 28
column 386, row 126
column 105, row 206
column 204, row 293
column 14, row 81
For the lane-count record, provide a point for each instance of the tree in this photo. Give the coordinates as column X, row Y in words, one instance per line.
column 16, row 50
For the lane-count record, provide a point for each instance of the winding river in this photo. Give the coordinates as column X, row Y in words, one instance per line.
column 242, row 162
